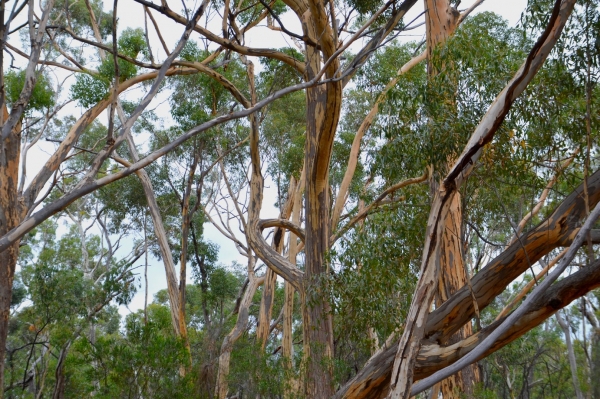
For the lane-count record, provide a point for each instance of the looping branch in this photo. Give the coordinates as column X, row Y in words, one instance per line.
column 283, row 223
column 280, row 265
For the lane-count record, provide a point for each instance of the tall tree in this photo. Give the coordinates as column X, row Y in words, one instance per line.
column 480, row 134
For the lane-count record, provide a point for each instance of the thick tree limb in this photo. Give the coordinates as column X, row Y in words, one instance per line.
column 525, row 307
column 559, row 227
column 509, row 307
column 373, row 380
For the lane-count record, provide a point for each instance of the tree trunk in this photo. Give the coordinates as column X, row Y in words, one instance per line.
column 11, row 213
column 323, row 112
column 374, row 379
column 453, row 277
column 222, row 387
column 564, row 325
column 59, row 387
column 441, row 21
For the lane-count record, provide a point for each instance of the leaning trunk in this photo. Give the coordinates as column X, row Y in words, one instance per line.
column 161, row 238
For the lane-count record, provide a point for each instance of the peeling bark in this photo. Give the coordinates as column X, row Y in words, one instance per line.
column 323, row 112
column 441, row 21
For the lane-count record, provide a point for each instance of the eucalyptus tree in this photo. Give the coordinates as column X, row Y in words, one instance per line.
column 468, row 137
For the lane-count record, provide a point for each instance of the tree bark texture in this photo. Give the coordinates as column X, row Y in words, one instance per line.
column 323, row 112
column 11, row 214
column 452, row 277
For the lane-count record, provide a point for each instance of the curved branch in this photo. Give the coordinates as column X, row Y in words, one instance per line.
column 272, row 258
column 59, row 204
column 283, row 223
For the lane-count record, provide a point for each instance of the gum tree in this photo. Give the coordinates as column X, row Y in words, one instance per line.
column 426, row 345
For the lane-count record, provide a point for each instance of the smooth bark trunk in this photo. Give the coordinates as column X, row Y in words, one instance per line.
column 564, row 325
column 222, row 387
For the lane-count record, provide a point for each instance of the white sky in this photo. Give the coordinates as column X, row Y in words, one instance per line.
column 131, row 15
